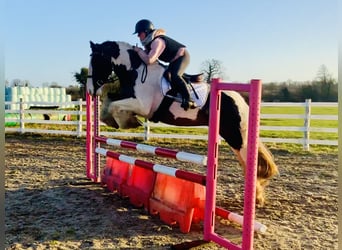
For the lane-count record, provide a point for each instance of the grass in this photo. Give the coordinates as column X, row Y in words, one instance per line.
column 299, row 122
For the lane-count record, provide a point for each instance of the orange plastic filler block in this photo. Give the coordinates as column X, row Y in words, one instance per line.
column 177, row 201
column 115, row 174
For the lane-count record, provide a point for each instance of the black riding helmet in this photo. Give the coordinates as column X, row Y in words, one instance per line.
column 144, row 25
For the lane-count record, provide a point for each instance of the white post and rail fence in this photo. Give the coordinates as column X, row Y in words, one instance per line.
column 50, row 118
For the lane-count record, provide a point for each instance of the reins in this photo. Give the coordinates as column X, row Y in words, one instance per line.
column 144, row 73
column 98, row 82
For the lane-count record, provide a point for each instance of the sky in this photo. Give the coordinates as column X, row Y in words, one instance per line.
column 275, row 41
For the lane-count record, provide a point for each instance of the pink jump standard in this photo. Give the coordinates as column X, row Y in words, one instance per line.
column 254, row 89
column 248, row 225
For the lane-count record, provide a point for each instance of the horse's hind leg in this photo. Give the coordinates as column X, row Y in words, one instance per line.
column 122, row 112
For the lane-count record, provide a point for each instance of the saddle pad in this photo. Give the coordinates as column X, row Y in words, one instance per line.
column 202, row 90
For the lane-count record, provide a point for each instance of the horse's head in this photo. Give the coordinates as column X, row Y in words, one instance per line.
column 108, row 57
column 100, row 67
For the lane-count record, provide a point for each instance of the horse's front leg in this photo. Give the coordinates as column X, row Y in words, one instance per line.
column 107, row 117
column 124, row 113
column 260, row 182
column 266, row 169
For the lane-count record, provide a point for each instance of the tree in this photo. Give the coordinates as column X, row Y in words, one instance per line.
column 74, row 91
column 212, row 68
column 22, row 83
column 25, row 83
column 325, row 82
column 308, row 91
column 269, row 91
column 284, row 93
column 81, row 78
column 54, row 85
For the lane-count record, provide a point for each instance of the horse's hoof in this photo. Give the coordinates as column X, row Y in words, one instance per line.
column 110, row 122
column 260, row 204
column 260, row 201
column 132, row 123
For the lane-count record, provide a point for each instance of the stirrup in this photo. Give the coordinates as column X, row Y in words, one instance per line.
column 185, row 104
column 192, row 105
column 188, row 104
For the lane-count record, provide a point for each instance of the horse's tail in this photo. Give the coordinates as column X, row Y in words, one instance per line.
column 266, row 165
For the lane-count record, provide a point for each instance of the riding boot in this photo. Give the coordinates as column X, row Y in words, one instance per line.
column 183, row 90
column 185, row 104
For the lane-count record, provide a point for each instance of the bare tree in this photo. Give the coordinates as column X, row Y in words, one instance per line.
column 212, row 68
column 325, row 80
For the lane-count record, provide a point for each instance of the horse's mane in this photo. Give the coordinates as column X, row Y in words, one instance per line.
column 118, row 42
column 126, row 44
column 124, row 57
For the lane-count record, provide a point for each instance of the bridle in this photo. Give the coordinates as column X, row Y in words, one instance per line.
column 100, row 82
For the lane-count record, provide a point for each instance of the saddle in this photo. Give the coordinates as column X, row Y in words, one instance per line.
column 193, row 78
column 198, row 93
column 197, row 78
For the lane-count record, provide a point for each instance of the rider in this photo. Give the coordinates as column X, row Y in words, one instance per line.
column 158, row 46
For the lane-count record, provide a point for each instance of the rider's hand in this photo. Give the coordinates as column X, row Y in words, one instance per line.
column 136, row 49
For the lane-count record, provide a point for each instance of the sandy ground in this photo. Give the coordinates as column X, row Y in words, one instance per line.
column 51, row 205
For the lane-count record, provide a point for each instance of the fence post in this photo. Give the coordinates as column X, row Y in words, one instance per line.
column 79, row 126
column 21, row 115
column 146, row 130
column 306, row 145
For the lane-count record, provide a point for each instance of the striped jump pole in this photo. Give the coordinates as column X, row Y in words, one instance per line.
column 165, row 152
column 185, row 175
column 231, row 216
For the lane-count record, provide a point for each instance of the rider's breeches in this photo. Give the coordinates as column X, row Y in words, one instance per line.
column 177, row 69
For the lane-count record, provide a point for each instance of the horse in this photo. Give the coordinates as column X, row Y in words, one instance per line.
column 140, row 94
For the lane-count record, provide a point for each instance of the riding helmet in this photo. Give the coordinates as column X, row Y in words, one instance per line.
column 144, row 25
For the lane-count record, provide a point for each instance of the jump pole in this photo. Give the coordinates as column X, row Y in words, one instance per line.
column 158, row 168
column 165, row 152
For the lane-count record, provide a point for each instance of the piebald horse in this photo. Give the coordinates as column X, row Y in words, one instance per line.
column 140, row 94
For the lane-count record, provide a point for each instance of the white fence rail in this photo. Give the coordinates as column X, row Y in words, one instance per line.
column 15, row 121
